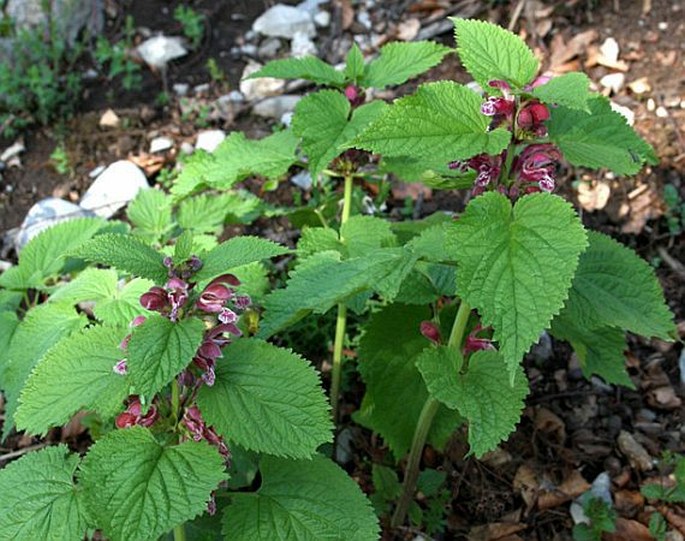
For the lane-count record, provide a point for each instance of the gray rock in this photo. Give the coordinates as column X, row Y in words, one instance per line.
column 209, row 139
column 158, row 51
column 114, row 188
column 311, row 6
column 249, row 49
column 270, row 48
column 46, row 213
column 181, row 89
column 12, row 151
column 303, row 180
column 262, row 87
column 302, row 46
column 283, row 21
column 277, row 106
column 69, row 16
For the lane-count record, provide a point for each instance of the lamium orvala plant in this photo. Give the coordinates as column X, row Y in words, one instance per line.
column 159, row 332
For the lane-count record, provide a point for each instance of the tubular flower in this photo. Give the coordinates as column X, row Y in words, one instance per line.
column 531, row 117
column 134, row 416
column 537, row 165
column 198, row 429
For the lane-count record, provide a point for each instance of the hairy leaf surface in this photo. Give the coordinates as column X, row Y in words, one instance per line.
column 323, row 121
column 441, row 120
column 39, row 499
column 77, row 374
column 307, row 500
column 570, row 90
column 310, row 68
column 489, row 52
column 237, row 252
column 125, row 253
column 46, row 253
column 42, row 328
column 159, row 349
column 483, row 395
column 515, row 265
column 398, row 62
column 150, row 213
column 600, row 138
column 267, row 399
column 395, row 392
column 136, row 488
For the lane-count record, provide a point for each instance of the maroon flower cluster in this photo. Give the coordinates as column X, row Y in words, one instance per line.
column 134, row 414
column 533, row 168
column 198, row 429
column 473, row 342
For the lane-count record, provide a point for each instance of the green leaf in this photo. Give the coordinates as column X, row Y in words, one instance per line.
column 441, row 120
column 136, row 488
column 39, row 499
column 600, row 350
column 77, row 374
column 10, row 300
column 432, row 173
column 354, row 64
column 310, row 68
column 322, row 281
column 515, row 265
column 46, row 254
column 307, row 500
column 8, row 325
column 125, row 253
column 323, row 121
column 361, row 235
column 267, row 399
column 600, row 138
column 114, row 303
column 398, row 62
column 614, row 287
column 150, row 213
column 570, row 90
column 483, row 395
column 237, row 252
column 317, row 239
column 489, row 52
column 42, row 328
column 207, row 213
column 235, row 159
column 159, row 349
column 395, row 392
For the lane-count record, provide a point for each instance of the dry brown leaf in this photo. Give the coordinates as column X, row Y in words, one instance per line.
column 403, row 190
column 636, row 454
column 572, row 487
column 550, row 423
column 562, row 52
column 526, row 483
column 497, row 531
column 629, row 530
column 593, row 195
column 673, row 518
column 664, row 398
column 149, row 163
column 73, row 428
column 347, row 14
column 628, row 502
column 408, row 29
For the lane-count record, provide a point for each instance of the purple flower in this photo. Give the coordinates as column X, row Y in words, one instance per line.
column 537, row 165
column 227, row 316
column 242, row 302
column 120, row 368
column 177, row 295
column 497, row 106
column 214, row 297
column 156, row 299
column 354, row 95
column 134, row 414
column 198, row 429
column 473, row 343
column 531, row 117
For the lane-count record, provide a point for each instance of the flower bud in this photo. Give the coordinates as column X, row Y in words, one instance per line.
column 431, row 331
column 156, row 299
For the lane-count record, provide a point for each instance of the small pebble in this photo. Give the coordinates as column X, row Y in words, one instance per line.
column 651, row 105
column 663, row 26
column 661, row 112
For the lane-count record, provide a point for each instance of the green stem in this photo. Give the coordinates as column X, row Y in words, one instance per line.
column 430, row 408
column 341, row 321
column 180, row 533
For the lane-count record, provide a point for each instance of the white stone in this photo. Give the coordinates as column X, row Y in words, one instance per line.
column 364, row 19
column 609, row 50
column 277, row 106
column 262, row 87
column 311, row 6
column 661, row 112
column 302, row 46
column 97, row 171
column 181, row 89
column 159, row 50
column 283, row 21
column 12, row 151
column 322, row 19
column 209, row 139
column 46, row 213
column 613, row 81
column 109, row 119
column 187, row 148
column 287, row 118
column 114, row 188
column 663, row 25
column 160, row 144
column 651, row 105
column 303, row 180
